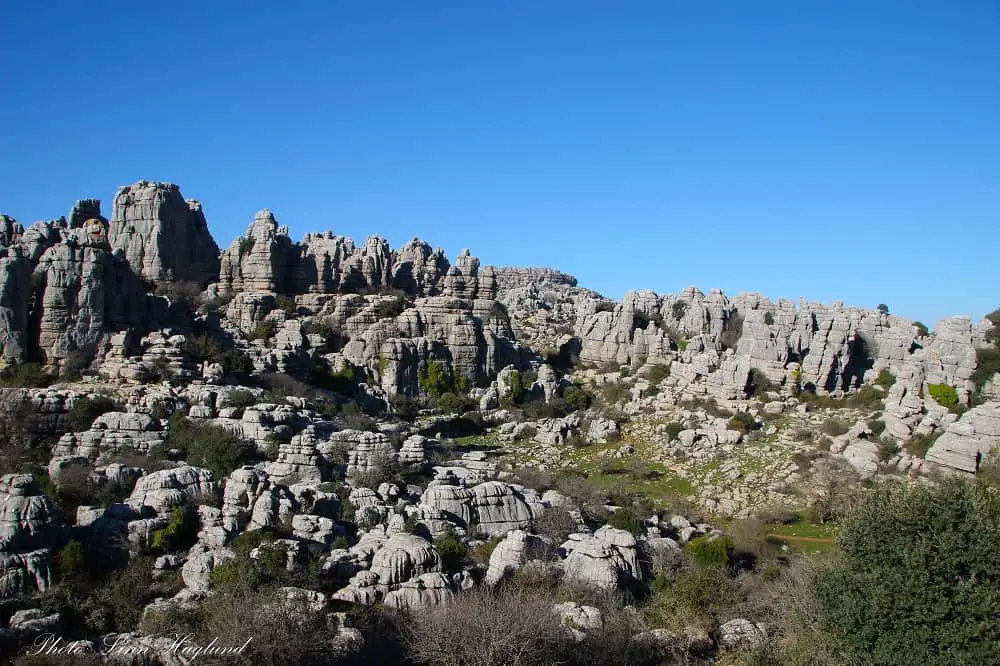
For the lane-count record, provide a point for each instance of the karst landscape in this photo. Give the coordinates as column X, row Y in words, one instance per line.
column 353, row 453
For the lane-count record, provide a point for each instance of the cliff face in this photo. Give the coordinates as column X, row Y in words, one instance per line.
column 62, row 288
column 162, row 236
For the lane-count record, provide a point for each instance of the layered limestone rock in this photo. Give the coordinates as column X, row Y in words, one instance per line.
column 403, row 557
column 423, row 592
column 28, row 531
column 262, row 260
column 966, row 443
column 606, row 560
column 62, row 290
column 167, row 488
column 510, row 554
column 162, row 236
column 110, row 433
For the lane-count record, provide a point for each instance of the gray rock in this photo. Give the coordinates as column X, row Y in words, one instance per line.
column 965, row 443
column 162, row 236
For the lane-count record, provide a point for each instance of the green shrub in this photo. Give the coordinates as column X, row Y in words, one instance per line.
column 71, row 562
column 84, row 410
column 390, row 308
column 919, row 445
column 246, row 245
column 455, row 403
column 710, row 551
column 877, row 426
column 730, row 337
column 657, row 373
column 180, row 533
column 918, row 579
column 885, row 379
column 625, row 519
column 202, row 347
column 769, row 319
column 987, row 365
column 577, row 397
column 741, row 422
column 453, row 552
column 240, row 398
column 883, row 308
column 204, row 445
column 236, row 364
column 264, row 330
column 944, row 394
column 433, row 378
column 886, row 448
column 673, row 429
column 287, row 305
column 678, row 309
column 682, row 344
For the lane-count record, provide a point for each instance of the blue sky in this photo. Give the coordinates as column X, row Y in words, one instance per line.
column 830, row 150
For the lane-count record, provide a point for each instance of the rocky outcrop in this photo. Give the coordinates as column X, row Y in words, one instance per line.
column 606, row 560
column 262, row 260
column 510, row 554
column 160, row 491
column 28, row 531
column 966, row 443
column 162, row 236
column 62, row 290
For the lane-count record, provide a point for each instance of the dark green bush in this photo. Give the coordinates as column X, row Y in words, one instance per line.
column 919, row 445
column 240, row 398
column 673, row 429
column 287, row 305
column 769, row 319
column 180, row 533
column 710, row 551
column 741, row 422
column 390, row 308
column 657, row 373
column 918, row 581
column 203, row 445
column 452, row 550
column 678, row 309
column 577, row 397
column 434, row 378
column 625, row 519
column 455, row 403
column 264, row 330
column 202, row 347
column 84, row 410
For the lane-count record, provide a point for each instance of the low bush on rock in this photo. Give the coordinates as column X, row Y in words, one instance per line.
column 84, row 410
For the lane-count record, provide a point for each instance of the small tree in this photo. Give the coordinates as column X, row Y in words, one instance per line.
column 919, row 577
column 883, row 308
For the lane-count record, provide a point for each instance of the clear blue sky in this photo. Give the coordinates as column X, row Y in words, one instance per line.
column 831, row 150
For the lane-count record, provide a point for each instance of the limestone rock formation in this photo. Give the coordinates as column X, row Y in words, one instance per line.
column 966, row 443
column 28, row 531
column 162, row 236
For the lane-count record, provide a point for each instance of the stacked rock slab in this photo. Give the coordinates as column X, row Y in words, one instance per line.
column 28, row 531
column 966, row 443
column 162, row 236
